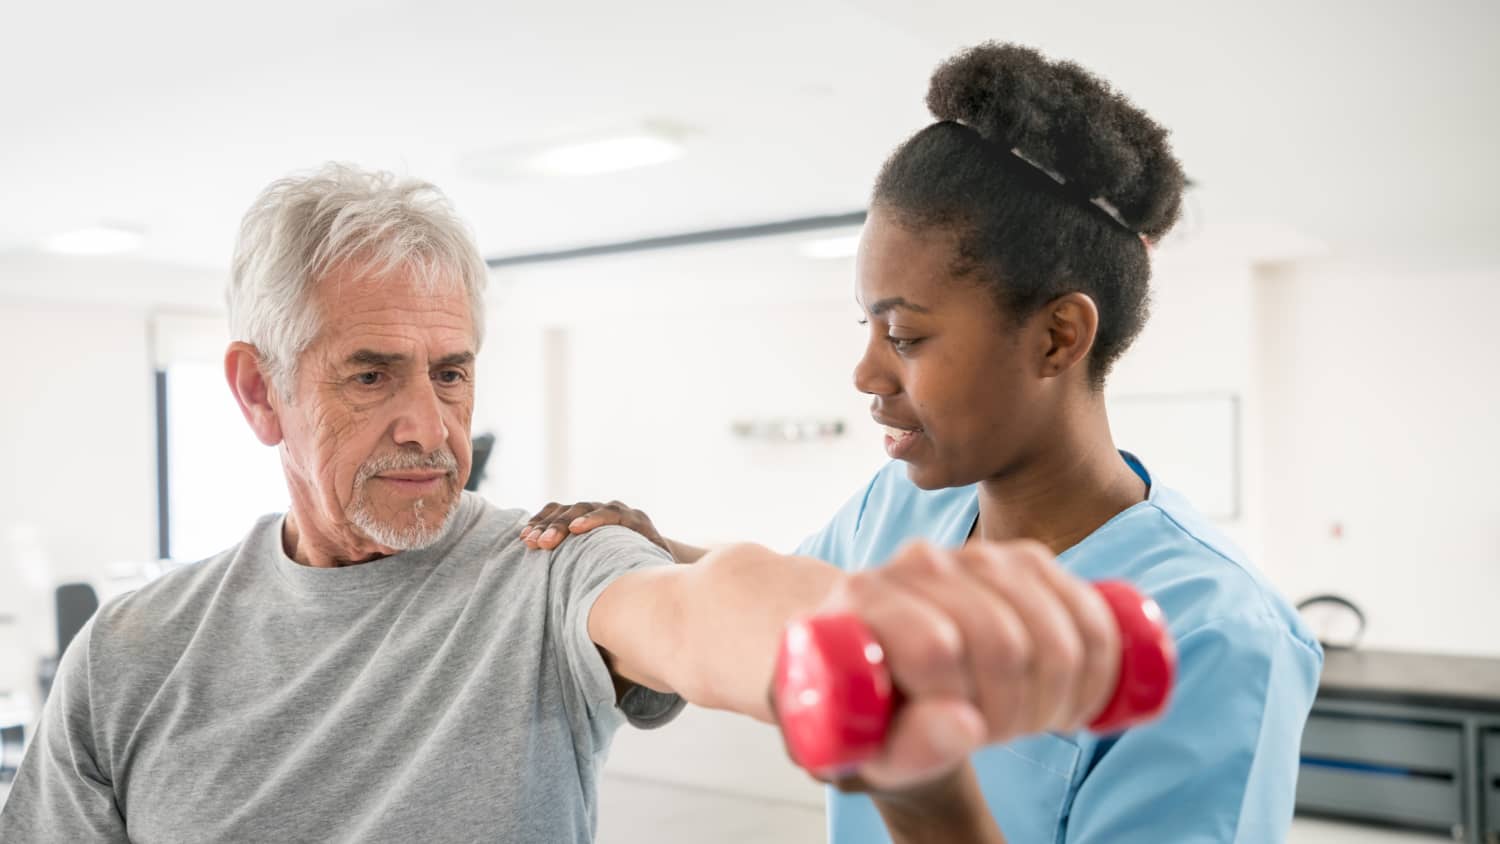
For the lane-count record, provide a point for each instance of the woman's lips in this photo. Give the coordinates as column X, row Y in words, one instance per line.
column 899, row 441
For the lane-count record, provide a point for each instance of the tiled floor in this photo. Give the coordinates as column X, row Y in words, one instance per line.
column 638, row 811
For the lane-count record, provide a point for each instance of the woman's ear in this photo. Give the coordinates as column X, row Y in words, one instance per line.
column 252, row 389
column 1072, row 322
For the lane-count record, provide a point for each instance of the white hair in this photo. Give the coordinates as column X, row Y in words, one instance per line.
column 302, row 228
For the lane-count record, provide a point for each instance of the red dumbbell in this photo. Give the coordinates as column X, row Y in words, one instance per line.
column 835, row 699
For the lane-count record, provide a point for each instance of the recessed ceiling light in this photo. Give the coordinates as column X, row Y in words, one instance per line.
column 831, row 247
column 96, row 240
column 641, row 145
column 608, row 155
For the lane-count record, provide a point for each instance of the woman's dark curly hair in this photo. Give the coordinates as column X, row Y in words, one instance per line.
column 1021, row 233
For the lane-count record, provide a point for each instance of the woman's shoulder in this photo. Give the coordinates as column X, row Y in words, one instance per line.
column 1198, row 575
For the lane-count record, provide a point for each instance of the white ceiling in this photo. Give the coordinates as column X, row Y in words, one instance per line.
column 1366, row 125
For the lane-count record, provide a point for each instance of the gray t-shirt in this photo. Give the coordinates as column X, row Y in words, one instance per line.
column 444, row 695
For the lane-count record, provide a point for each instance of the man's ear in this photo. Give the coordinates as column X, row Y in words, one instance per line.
column 252, row 390
column 1071, row 322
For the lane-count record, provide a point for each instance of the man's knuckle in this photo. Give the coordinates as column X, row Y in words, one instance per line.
column 939, row 648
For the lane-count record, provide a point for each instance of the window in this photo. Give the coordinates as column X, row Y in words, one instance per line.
column 218, row 477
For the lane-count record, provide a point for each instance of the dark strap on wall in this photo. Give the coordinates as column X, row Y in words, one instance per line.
column 1338, row 601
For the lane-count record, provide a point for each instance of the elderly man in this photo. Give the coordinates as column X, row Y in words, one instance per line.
column 387, row 661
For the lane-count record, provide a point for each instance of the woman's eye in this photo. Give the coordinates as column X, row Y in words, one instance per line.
column 904, row 344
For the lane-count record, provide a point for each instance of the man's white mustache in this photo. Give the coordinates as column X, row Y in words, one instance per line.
column 407, row 461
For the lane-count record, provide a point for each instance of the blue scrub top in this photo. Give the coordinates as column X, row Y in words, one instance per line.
column 1220, row 766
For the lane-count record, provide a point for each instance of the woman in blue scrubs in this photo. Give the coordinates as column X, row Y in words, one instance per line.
column 1002, row 271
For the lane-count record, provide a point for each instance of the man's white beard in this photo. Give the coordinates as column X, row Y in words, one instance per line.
column 416, row 535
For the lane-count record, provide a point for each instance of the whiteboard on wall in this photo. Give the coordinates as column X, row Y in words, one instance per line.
column 1189, row 442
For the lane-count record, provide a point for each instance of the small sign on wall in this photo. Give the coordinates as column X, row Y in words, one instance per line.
column 787, row 430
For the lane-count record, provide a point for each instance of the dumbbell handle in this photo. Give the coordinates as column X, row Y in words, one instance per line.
column 835, row 698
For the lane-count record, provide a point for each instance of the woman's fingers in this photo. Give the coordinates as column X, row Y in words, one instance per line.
column 1014, row 573
column 997, row 648
column 553, row 524
column 987, row 643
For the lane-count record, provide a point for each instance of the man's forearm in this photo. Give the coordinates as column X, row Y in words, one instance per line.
column 710, row 631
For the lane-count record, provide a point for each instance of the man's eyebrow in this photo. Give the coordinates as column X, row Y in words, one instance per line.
column 455, row 359
column 894, row 302
column 369, row 357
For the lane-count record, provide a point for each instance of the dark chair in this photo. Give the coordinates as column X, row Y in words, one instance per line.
column 12, row 740
column 483, row 445
column 76, row 604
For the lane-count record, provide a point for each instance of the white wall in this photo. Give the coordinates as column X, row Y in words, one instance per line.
column 1382, row 410
column 78, row 436
column 77, row 463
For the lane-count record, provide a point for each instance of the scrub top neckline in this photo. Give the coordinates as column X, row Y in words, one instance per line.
column 971, row 521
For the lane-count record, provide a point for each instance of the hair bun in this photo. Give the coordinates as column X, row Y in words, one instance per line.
column 1067, row 120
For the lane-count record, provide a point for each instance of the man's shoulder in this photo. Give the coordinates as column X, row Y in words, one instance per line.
column 157, row 620
column 498, row 530
column 612, row 545
column 485, row 515
column 146, row 617
column 486, row 533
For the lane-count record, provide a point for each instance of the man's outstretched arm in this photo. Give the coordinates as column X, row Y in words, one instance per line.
column 988, row 643
column 709, row 632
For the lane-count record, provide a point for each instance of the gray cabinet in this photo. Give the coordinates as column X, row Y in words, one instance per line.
column 1426, row 748
column 1407, row 739
column 1382, row 769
